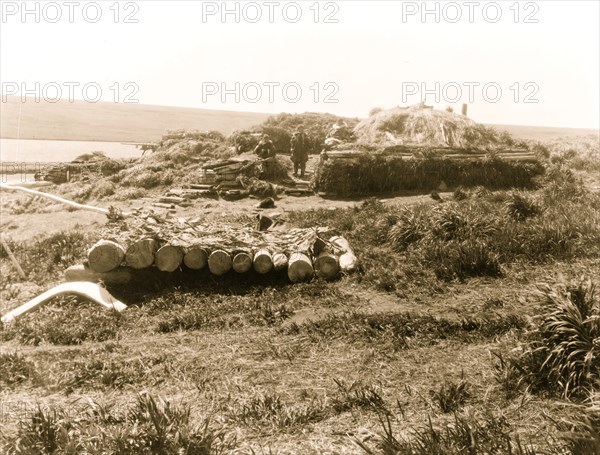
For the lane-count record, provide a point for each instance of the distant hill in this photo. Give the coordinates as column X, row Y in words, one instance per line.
column 111, row 122
column 545, row 133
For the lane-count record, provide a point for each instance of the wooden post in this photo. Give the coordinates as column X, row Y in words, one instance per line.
column 12, row 257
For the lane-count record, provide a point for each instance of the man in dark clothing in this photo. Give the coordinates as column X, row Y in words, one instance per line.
column 299, row 151
column 265, row 148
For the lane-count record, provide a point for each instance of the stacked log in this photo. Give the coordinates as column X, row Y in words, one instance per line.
column 242, row 262
column 280, row 261
column 195, row 258
column 168, row 258
column 169, row 246
column 220, row 262
column 262, row 262
column 105, row 256
column 326, row 265
column 300, row 268
column 347, row 259
column 140, row 254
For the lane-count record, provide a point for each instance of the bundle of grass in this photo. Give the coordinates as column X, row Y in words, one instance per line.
column 144, row 175
column 370, row 174
column 185, row 148
column 415, row 125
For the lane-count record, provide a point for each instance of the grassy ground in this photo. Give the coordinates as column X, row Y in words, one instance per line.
column 428, row 349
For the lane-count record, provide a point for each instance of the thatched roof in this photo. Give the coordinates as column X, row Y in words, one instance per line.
column 416, row 125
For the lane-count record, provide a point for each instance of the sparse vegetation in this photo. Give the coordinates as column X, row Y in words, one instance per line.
column 442, row 335
column 153, row 425
column 451, row 396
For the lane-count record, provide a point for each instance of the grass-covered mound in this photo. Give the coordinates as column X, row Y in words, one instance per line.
column 416, row 125
column 375, row 173
column 409, row 148
column 281, row 127
column 178, row 158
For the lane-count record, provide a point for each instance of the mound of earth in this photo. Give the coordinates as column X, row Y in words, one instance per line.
column 281, row 127
column 423, row 126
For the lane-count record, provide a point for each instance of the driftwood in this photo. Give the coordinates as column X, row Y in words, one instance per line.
column 89, row 291
column 171, row 200
column 168, row 258
column 220, row 262
column 242, row 262
column 12, row 257
column 75, row 205
column 195, row 258
column 140, row 254
column 326, row 265
column 300, row 268
column 262, row 262
column 105, row 256
column 167, row 244
column 347, row 260
column 280, row 261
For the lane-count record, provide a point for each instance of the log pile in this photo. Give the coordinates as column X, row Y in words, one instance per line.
column 145, row 241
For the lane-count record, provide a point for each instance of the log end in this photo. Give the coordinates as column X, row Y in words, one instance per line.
column 219, row 262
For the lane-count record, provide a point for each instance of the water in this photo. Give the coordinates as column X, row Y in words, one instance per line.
column 43, row 151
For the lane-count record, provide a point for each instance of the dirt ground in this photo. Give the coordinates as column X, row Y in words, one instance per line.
column 59, row 217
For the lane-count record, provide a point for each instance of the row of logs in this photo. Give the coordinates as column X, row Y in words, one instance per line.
column 335, row 256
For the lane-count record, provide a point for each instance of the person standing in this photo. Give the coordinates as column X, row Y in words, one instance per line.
column 299, row 148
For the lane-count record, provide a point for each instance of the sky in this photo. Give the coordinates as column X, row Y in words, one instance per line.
column 525, row 63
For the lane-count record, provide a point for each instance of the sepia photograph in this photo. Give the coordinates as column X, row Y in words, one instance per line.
column 305, row 227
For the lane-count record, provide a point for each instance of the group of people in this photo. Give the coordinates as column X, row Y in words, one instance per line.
column 299, row 146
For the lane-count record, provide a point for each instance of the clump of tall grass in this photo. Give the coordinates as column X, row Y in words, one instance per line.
column 451, row 396
column 270, row 410
column 562, row 356
column 582, row 431
column 358, row 395
column 152, row 425
column 468, row 435
column 521, row 206
column 569, row 338
column 15, row 369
